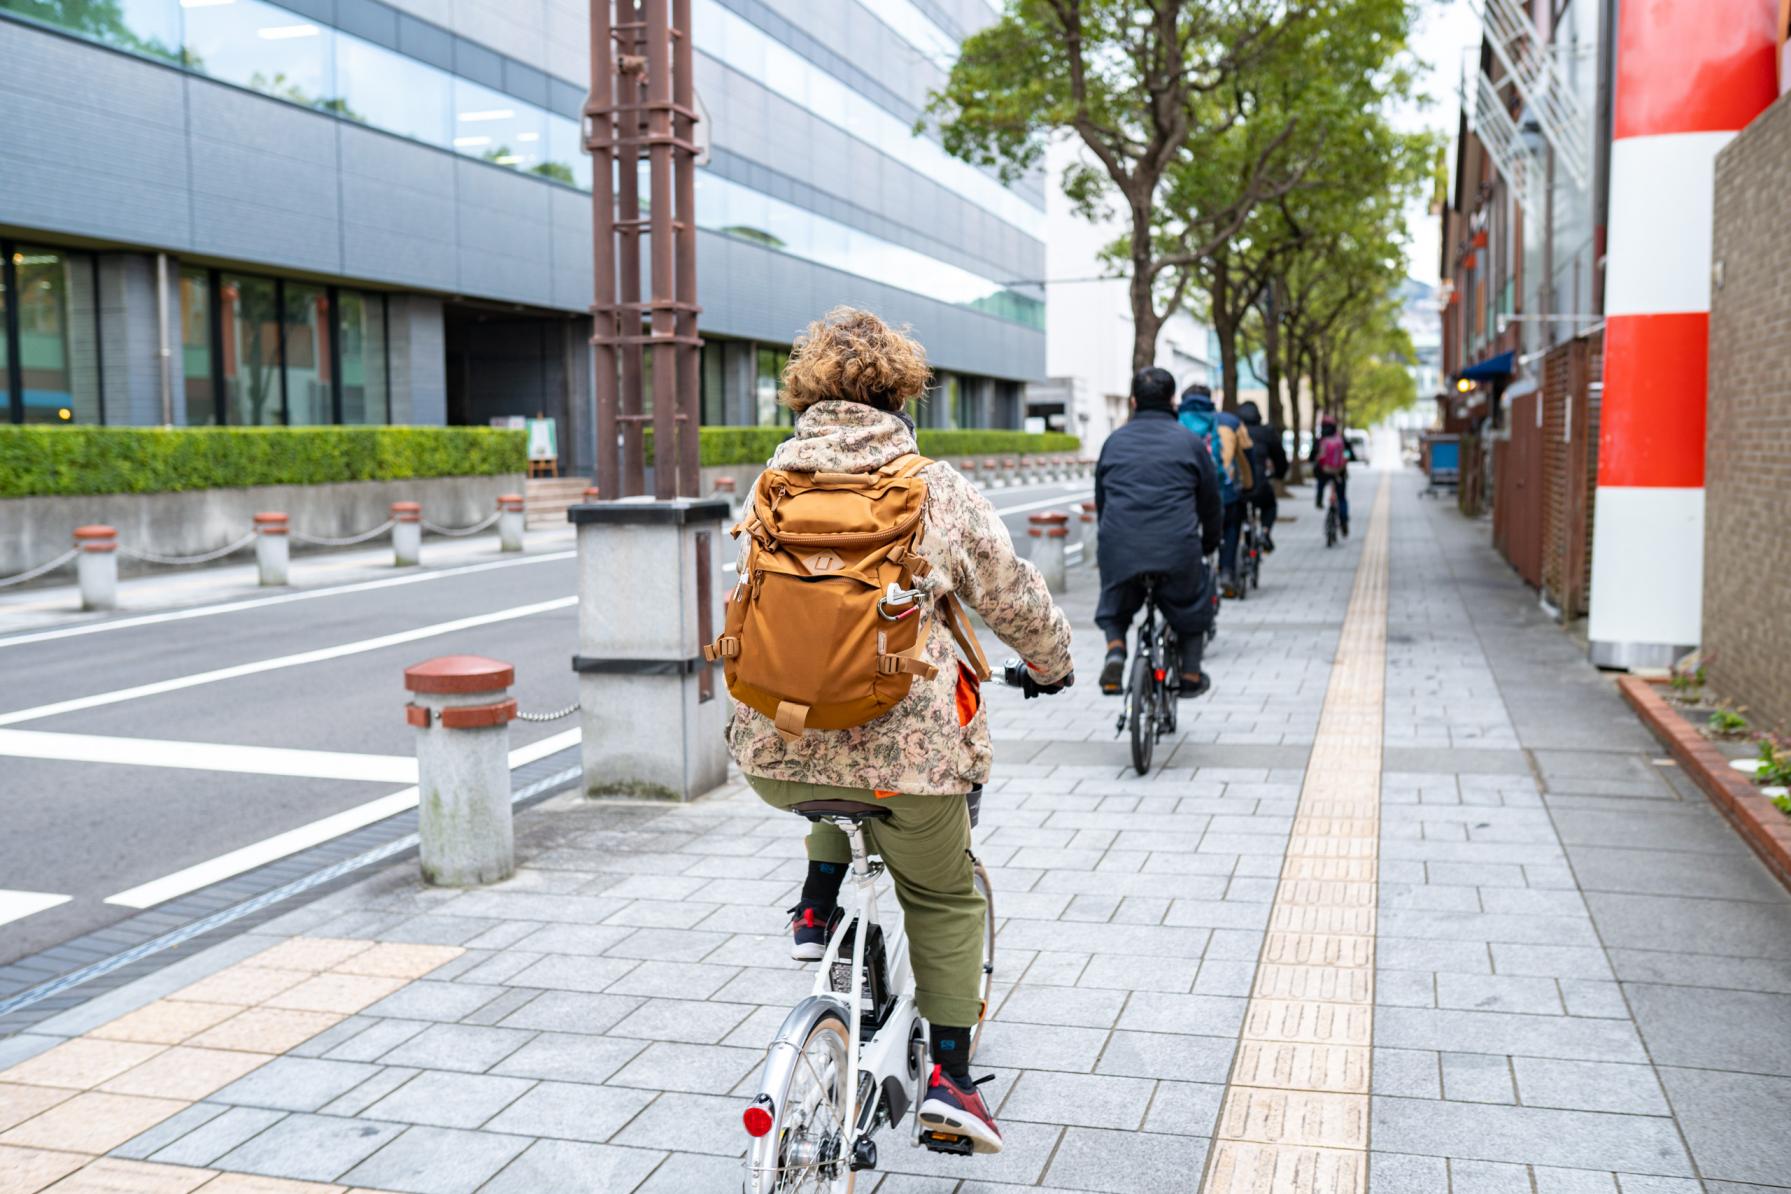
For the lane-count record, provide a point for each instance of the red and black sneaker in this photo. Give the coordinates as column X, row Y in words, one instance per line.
column 810, row 925
column 957, row 1109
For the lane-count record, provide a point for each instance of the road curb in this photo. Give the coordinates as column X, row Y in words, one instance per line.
column 1754, row 816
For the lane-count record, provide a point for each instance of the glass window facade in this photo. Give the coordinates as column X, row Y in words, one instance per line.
column 363, row 365
column 378, row 87
column 305, row 330
column 251, row 336
column 263, row 47
column 49, row 344
column 197, row 363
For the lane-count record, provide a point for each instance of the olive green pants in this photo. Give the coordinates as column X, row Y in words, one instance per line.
column 925, row 844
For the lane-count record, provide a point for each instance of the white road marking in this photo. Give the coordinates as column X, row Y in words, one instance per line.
column 281, row 661
column 17, row 905
column 1046, row 503
column 225, row 866
column 207, row 756
column 230, row 607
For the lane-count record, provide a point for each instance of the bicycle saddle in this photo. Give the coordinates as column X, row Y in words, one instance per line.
column 848, row 810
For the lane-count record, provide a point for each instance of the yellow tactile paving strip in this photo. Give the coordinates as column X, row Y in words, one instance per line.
column 62, row 1110
column 1295, row 1115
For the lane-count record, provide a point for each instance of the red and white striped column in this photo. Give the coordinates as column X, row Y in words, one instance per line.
column 1690, row 75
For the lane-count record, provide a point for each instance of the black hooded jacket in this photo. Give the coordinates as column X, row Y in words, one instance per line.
column 1157, row 497
column 1268, row 456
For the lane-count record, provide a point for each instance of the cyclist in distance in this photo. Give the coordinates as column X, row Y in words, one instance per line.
column 1157, row 502
column 1228, row 443
column 1330, row 457
column 848, row 379
column 1268, row 460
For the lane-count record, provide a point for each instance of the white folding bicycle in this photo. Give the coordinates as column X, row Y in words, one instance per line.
column 812, row 1125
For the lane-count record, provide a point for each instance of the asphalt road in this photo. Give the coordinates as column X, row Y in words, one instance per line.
column 92, row 826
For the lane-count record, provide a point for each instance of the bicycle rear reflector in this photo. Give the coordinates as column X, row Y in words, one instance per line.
column 758, row 1116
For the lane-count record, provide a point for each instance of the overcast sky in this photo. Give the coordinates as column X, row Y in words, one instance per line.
column 1445, row 29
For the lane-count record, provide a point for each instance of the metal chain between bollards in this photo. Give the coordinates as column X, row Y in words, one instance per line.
column 204, row 558
column 324, row 541
column 568, row 711
column 41, row 569
column 457, row 531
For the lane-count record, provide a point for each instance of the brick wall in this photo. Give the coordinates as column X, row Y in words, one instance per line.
column 1747, row 543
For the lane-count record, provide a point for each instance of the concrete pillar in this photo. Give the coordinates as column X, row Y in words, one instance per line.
column 991, row 473
column 272, row 548
column 419, row 360
column 649, row 599
column 1010, row 471
column 407, row 534
column 969, row 470
column 97, row 566
column 592, row 493
column 510, row 516
column 462, row 708
column 1091, row 535
column 1050, row 531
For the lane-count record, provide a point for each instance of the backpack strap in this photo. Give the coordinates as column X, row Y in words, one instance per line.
column 952, row 613
column 791, row 720
column 909, row 465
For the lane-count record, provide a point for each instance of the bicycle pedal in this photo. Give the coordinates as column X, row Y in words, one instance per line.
column 947, row 1142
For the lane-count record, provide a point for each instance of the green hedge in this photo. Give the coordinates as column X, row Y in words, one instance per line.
column 70, row 461
column 754, row 445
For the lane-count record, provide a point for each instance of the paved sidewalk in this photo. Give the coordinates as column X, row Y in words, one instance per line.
column 1568, row 975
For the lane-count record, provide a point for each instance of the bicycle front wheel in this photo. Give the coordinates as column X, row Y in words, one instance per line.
column 806, row 1076
column 1144, row 712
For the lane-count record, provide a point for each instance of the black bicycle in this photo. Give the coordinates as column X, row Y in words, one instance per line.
column 1152, row 688
column 1333, row 518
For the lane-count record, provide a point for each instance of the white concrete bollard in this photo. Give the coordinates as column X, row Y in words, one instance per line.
column 97, row 566
column 272, row 549
column 1091, row 535
column 407, row 534
column 510, row 516
column 991, row 473
column 968, row 468
column 461, row 707
column 1010, row 471
column 1050, row 531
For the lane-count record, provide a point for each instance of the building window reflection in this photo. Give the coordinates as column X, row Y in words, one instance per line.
column 499, row 128
column 263, row 47
column 361, row 343
column 250, row 326
column 389, row 91
column 305, row 348
column 199, row 379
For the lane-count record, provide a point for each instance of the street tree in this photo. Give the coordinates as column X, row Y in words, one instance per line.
column 1138, row 83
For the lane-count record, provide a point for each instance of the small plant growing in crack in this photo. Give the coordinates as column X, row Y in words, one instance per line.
column 1728, row 723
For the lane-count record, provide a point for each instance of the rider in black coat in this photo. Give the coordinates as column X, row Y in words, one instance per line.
column 1269, row 462
column 1157, row 499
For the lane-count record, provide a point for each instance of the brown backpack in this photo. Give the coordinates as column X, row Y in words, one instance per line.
column 826, row 629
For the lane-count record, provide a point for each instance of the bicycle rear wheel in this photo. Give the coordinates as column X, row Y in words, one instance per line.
column 805, row 1150
column 1144, row 712
column 1331, row 526
column 980, row 876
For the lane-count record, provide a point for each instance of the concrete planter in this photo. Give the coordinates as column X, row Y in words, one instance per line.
column 35, row 529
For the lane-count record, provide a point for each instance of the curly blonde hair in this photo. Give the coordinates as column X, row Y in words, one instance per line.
column 852, row 354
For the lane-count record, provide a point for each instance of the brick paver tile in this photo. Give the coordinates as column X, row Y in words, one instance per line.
column 266, row 1030
column 184, row 1072
column 93, row 1122
column 28, row 1170
column 241, row 985
column 19, row 1102
column 394, row 960
column 114, row 1175
column 249, row 1183
column 312, row 954
column 81, row 1063
column 345, row 994
column 165, row 1022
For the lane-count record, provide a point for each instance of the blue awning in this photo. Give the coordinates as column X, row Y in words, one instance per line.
column 1489, row 369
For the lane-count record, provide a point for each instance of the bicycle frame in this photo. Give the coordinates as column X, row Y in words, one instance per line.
column 887, row 1054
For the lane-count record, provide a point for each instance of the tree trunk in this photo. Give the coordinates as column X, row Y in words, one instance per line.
column 1296, row 462
column 1225, row 327
column 1146, row 323
column 1271, row 355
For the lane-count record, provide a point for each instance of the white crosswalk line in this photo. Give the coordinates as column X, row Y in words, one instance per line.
column 215, row 870
column 281, row 661
column 17, row 905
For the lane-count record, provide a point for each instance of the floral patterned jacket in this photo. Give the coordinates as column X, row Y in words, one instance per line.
column 918, row 747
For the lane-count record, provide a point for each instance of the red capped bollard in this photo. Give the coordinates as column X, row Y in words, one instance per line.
column 510, row 515
column 407, row 534
column 462, row 708
column 272, row 550
column 97, row 566
column 726, row 488
column 1050, row 532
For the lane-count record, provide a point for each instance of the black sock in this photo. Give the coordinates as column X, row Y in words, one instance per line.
column 951, row 1051
column 822, row 887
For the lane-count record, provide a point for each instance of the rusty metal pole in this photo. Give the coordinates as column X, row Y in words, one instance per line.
column 631, row 65
column 601, row 143
column 689, row 348
column 664, row 329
